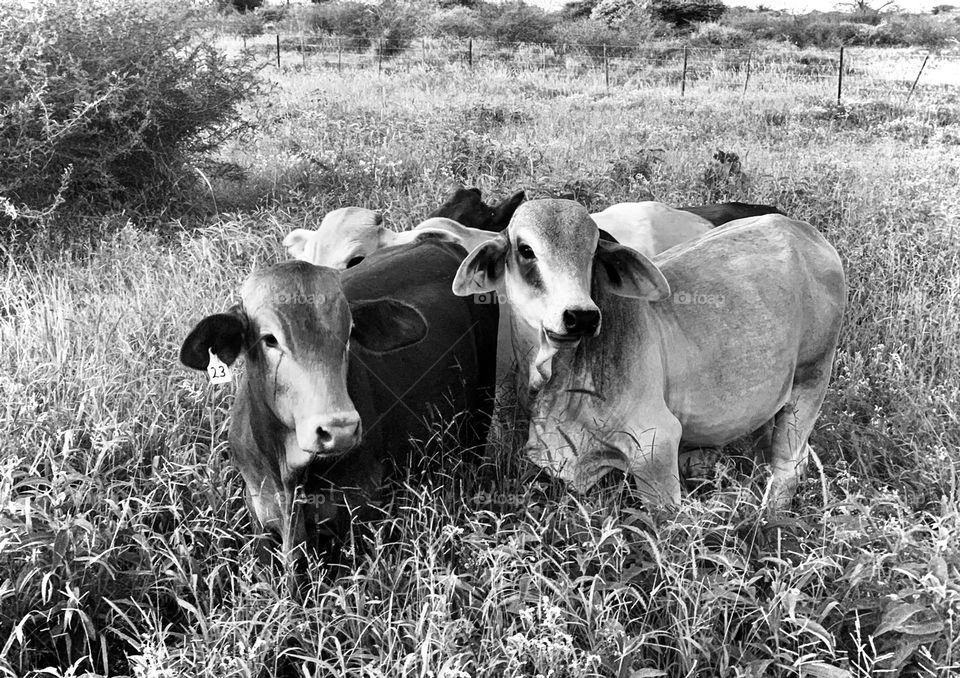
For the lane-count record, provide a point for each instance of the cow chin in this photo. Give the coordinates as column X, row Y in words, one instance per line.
column 579, row 472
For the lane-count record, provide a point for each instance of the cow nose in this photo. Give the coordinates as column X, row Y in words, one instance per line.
column 581, row 322
column 338, row 432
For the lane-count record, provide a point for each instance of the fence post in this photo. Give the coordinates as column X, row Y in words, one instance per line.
column 683, row 77
column 244, row 43
column 339, row 55
column 380, row 58
column 470, row 53
column 747, row 79
column 606, row 67
column 278, row 50
column 303, row 52
column 543, row 57
column 914, row 85
column 840, row 77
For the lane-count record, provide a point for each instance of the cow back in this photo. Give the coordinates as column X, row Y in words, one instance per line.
column 402, row 394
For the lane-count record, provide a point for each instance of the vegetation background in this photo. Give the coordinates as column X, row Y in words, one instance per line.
column 144, row 173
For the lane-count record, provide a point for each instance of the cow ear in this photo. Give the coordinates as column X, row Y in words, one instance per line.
column 296, row 242
column 630, row 274
column 386, row 325
column 482, row 270
column 386, row 237
column 476, row 190
column 504, row 211
column 221, row 333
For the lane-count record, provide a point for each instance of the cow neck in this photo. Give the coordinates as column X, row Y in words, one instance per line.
column 266, row 428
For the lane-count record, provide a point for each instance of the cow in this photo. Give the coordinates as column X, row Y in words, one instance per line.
column 341, row 374
column 714, row 339
column 466, row 206
column 721, row 213
column 649, row 227
column 346, row 235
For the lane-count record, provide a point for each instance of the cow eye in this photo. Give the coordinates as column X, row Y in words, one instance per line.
column 353, row 262
column 525, row 251
column 270, row 341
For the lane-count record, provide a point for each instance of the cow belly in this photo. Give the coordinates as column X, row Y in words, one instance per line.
column 724, row 416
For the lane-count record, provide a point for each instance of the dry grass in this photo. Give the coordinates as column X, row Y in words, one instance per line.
column 124, row 542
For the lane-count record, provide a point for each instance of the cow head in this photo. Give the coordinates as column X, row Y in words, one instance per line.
column 342, row 240
column 467, row 207
column 543, row 266
column 294, row 326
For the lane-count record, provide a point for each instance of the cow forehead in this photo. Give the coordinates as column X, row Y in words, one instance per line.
column 299, row 291
column 563, row 226
column 350, row 222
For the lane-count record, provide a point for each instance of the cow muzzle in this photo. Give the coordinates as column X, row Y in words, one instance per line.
column 333, row 433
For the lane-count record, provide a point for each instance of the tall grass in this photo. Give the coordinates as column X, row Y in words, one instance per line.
column 124, row 543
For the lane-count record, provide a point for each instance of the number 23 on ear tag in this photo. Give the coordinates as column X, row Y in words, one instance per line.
column 218, row 371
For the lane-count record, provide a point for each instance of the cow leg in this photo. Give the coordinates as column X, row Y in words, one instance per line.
column 789, row 449
column 656, row 464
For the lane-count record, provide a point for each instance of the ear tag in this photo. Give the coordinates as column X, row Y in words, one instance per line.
column 218, row 371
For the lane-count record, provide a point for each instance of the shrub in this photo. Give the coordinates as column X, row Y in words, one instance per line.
column 347, row 18
column 686, row 12
column 244, row 5
column 104, row 101
column 715, row 34
column 459, row 22
column 519, row 22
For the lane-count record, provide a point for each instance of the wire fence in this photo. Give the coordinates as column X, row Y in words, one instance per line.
column 871, row 72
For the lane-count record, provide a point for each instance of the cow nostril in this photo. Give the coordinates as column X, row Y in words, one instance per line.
column 581, row 322
column 323, row 436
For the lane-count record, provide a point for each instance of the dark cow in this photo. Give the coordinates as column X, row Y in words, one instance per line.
column 466, row 207
column 342, row 372
column 721, row 213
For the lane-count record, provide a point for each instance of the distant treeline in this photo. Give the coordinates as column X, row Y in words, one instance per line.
column 595, row 22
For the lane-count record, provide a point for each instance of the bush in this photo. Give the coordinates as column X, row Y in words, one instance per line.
column 519, row 22
column 347, row 18
column 104, row 101
column 686, row 12
column 459, row 22
column 718, row 35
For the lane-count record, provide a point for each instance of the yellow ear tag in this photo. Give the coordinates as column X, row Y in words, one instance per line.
column 218, row 371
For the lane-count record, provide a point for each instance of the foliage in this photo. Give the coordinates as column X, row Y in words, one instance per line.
column 516, row 21
column 458, row 22
column 107, row 101
column 245, row 5
column 577, row 9
column 685, row 12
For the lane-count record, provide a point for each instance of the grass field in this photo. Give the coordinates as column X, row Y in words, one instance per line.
column 124, row 542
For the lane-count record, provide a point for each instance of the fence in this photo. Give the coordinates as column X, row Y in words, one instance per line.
column 872, row 72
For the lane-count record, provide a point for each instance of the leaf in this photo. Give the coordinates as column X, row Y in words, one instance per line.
column 647, row 673
column 813, row 627
column 932, row 628
column 821, row 670
column 896, row 617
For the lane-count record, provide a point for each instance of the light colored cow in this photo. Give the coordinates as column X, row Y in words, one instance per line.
column 625, row 370
column 650, row 227
column 344, row 237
